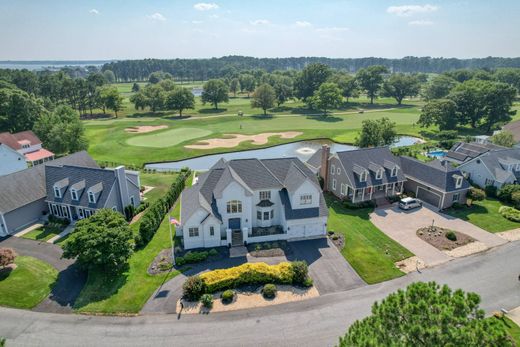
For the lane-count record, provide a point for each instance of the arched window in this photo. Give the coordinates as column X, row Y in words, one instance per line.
column 234, row 206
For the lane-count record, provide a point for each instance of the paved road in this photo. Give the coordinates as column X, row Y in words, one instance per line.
column 315, row 322
column 70, row 279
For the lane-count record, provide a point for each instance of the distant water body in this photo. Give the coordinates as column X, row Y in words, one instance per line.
column 49, row 65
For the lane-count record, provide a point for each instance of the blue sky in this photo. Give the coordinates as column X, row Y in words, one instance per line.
column 118, row 29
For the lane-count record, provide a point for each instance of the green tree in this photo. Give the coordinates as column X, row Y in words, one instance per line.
column 247, row 83
column 234, row 86
column 154, row 97
column 371, row 79
column 102, row 242
column 376, row 132
column 328, row 96
column 110, row 98
column 109, row 76
column 180, row 99
column 135, row 87
column 310, row 79
column 348, row 85
column 499, row 99
column 62, row 131
column 19, row 110
column 264, row 97
column 399, row 86
column 214, row 92
column 283, row 88
column 439, row 87
column 510, row 76
column 425, row 314
column 155, row 77
column 439, row 112
column 139, row 100
column 503, row 138
column 469, row 99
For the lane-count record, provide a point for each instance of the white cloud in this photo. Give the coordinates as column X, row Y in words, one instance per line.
column 214, row 16
column 205, row 6
column 94, row 11
column 302, row 24
column 157, row 16
column 331, row 30
column 196, row 22
column 410, row 10
column 421, row 23
column 260, row 22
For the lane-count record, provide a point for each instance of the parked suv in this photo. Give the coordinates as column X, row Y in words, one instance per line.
column 409, row 203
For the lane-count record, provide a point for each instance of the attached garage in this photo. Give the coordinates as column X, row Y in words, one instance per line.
column 429, row 196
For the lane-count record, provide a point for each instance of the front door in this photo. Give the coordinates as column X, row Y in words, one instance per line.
column 234, row 224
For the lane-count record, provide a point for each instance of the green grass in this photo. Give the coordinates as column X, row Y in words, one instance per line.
column 484, row 214
column 28, row 284
column 168, row 138
column 160, row 181
column 41, row 234
column 512, row 329
column 370, row 252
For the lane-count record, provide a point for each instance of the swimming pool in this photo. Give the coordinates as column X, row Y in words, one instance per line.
column 437, row 154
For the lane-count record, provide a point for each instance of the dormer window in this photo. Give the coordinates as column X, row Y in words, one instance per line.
column 91, row 197
column 458, row 181
column 379, row 174
column 57, row 192
column 394, row 171
column 74, row 194
column 363, row 176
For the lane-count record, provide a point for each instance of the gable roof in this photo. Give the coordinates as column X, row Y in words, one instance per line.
column 496, row 160
column 514, row 128
column 363, row 160
column 15, row 140
column 435, row 173
column 463, row 151
column 26, row 186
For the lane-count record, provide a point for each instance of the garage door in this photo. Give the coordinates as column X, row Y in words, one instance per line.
column 429, row 197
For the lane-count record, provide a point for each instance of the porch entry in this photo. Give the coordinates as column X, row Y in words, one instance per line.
column 237, row 238
column 234, row 224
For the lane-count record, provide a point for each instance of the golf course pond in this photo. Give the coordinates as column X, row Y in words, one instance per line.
column 300, row 149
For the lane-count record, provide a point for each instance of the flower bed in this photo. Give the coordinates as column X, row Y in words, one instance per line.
column 443, row 239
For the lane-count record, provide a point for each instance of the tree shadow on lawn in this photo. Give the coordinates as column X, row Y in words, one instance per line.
column 157, row 114
column 101, row 285
column 324, row 118
column 211, row 110
column 464, row 211
column 5, row 272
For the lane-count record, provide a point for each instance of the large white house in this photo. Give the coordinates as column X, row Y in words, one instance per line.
column 11, row 161
column 250, row 200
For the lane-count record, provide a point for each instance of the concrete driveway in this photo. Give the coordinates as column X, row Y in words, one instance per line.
column 402, row 226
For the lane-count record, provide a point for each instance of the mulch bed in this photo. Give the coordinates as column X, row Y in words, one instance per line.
column 436, row 237
column 269, row 249
column 337, row 239
column 164, row 257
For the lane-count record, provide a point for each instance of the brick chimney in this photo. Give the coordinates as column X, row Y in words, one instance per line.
column 324, row 168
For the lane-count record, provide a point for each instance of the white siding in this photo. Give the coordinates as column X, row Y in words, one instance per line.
column 306, row 188
column 11, row 160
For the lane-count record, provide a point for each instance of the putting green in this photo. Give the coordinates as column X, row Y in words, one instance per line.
column 167, row 138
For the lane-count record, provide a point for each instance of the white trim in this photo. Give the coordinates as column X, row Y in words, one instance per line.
column 5, row 224
column 346, row 172
column 408, row 177
column 333, row 184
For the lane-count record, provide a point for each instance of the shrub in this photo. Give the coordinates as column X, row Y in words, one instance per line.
column 192, row 257
column 129, row 212
column 213, row 252
column 393, row 198
column 269, row 291
column 510, row 213
column 7, row 256
column 207, row 300
column 515, row 199
column 193, row 288
column 143, row 206
column 227, row 296
column 476, row 194
column 491, row 191
column 308, row 282
column 300, row 272
column 450, row 235
column 247, row 274
column 358, row 205
column 505, row 193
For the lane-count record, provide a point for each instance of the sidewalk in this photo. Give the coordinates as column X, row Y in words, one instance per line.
column 65, row 232
column 28, row 229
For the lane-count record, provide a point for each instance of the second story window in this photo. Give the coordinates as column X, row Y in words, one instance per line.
column 234, row 206
column 57, row 192
column 91, row 198
column 394, row 171
column 305, row 199
column 458, row 182
column 74, row 194
column 265, row 195
column 379, row 174
column 363, row 176
column 333, row 169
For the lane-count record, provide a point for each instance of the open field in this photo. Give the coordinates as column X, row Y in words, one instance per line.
column 28, row 284
column 370, row 252
column 167, row 138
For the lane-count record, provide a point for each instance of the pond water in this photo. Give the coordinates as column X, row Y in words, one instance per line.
column 301, row 149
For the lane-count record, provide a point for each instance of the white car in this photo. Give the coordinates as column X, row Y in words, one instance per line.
column 409, row 203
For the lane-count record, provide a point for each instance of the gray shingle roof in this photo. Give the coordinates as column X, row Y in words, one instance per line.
column 315, row 159
column 302, row 213
column 495, row 161
column 26, row 186
column 355, row 162
column 99, row 181
column 435, row 173
column 463, row 151
column 254, row 174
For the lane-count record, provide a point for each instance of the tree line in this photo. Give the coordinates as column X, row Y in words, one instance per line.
column 224, row 67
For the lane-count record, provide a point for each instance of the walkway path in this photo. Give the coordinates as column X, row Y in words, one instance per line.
column 68, row 230
column 314, row 322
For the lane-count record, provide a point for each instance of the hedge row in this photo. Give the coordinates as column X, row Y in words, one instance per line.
column 152, row 218
column 510, row 213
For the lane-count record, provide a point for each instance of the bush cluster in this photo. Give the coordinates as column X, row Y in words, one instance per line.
column 193, row 288
column 154, row 215
column 506, row 192
column 510, row 213
column 491, row 191
column 207, row 300
column 358, row 205
column 476, row 194
column 227, row 296
column 7, row 256
column 57, row 220
column 450, row 235
column 195, row 257
column 269, row 291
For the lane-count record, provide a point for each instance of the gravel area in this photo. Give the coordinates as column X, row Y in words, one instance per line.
column 410, row 264
column 511, row 235
column 436, row 237
column 470, row 248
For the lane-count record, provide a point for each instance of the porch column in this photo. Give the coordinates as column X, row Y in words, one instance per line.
column 363, row 195
column 245, row 234
column 402, row 185
column 371, row 192
column 70, row 213
column 228, row 236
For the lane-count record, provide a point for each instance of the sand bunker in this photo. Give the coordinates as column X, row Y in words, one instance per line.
column 233, row 140
column 145, row 128
column 250, row 300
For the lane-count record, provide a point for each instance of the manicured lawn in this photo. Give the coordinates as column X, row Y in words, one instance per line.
column 370, row 252
column 44, row 233
column 168, row 138
column 129, row 291
column 28, row 284
column 484, row 214
column 512, row 328
column 160, row 181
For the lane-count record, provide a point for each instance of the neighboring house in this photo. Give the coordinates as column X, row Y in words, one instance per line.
column 359, row 175
column 251, row 200
column 462, row 152
column 76, row 192
column 513, row 128
column 29, row 145
column 496, row 168
column 23, row 193
column 10, row 160
column 437, row 183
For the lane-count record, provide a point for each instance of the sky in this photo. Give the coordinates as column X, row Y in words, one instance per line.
column 134, row 29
